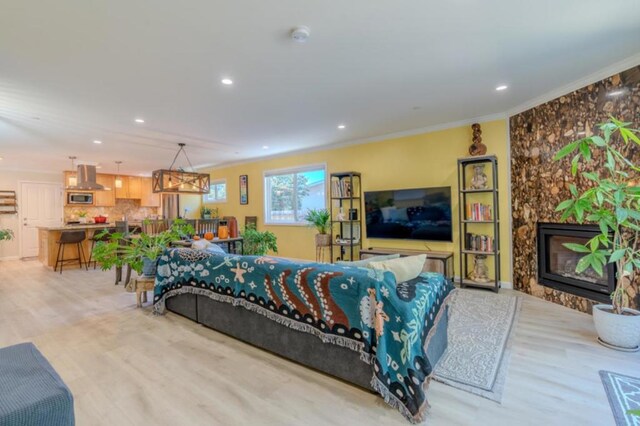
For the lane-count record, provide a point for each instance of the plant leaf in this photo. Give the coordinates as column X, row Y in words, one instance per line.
column 568, row 149
column 578, row 248
column 617, row 255
column 564, row 205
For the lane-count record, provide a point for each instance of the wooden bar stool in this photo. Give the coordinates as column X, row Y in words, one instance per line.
column 70, row 237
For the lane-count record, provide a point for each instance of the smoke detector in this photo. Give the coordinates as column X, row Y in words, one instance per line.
column 300, row 34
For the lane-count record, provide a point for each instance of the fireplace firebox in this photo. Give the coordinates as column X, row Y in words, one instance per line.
column 557, row 264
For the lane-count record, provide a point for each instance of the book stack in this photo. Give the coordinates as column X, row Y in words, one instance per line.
column 480, row 243
column 479, row 212
column 341, row 188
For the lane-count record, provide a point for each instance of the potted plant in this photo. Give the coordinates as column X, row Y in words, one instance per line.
column 205, row 212
column 6, row 234
column 321, row 220
column 258, row 243
column 82, row 216
column 613, row 202
column 140, row 252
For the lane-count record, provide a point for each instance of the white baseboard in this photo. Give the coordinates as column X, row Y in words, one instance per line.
column 2, row 259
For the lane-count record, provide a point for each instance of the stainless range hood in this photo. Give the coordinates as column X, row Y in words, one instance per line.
column 87, row 179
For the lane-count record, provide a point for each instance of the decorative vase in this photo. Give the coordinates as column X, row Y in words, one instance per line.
column 223, row 232
column 323, row 240
column 621, row 332
column 82, row 219
column 149, row 267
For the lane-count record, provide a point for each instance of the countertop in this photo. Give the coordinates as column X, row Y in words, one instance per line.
column 79, row 226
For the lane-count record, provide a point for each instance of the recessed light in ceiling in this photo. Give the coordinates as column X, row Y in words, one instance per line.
column 265, row 147
column 97, row 142
column 341, row 126
column 616, row 92
column 300, row 34
column 502, row 87
column 139, row 120
column 226, row 81
column 1, row 158
column 98, row 167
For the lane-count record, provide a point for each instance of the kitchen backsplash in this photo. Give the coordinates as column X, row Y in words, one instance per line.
column 124, row 208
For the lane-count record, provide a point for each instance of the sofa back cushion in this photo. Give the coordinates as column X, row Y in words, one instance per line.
column 404, row 268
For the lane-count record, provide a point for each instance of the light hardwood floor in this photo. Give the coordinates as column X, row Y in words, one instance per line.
column 128, row 367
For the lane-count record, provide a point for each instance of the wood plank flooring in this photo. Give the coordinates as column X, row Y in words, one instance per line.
column 128, row 367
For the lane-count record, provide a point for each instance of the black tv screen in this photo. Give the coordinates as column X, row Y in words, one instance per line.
column 413, row 214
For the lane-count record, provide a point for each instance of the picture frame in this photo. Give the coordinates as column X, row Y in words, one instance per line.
column 244, row 189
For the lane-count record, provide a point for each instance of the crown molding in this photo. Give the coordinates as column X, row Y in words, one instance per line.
column 601, row 74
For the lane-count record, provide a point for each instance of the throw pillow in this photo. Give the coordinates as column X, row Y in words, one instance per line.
column 404, row 268
column 364, row 262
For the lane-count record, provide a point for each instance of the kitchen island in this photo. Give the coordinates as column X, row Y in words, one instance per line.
column 48, row 237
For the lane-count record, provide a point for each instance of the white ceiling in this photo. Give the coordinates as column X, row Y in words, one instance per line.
column 73, row 71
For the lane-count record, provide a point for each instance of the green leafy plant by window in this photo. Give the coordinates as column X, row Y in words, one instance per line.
column 119, row 249
column 6, row 234
column 258, row 243
column 319, row 219
column 612, row 201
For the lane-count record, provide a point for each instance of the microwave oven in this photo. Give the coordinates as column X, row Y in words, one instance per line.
column 79, row 198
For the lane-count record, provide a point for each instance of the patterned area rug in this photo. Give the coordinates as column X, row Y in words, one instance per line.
column 481, row 325
column 624, row 395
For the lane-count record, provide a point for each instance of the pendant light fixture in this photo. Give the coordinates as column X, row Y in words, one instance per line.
column 73, row 177
column 118, row 182
column 178, row 181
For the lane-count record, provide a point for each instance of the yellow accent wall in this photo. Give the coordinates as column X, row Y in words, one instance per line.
column 422, row 160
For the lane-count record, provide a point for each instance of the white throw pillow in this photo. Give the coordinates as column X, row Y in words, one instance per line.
column 404, row 268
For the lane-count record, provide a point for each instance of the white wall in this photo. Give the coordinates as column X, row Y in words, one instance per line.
column 9, row 182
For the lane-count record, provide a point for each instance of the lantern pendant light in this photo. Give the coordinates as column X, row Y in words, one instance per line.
column 178, row 181
column 73, row 178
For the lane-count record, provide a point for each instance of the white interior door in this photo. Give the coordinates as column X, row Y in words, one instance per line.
column 40, row 204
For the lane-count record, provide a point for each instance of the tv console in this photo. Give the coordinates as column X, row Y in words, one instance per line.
column 437, row 261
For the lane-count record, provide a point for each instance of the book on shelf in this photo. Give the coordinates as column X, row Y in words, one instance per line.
column 342, row 188
column 479, row 212
column 475, row 242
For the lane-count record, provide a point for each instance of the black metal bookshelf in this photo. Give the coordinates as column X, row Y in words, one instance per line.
column 346, row 233
column 478, row 220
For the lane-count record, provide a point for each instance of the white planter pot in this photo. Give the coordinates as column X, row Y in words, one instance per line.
column 622, row 331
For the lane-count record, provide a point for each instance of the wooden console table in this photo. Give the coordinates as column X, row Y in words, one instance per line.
column 437, row 261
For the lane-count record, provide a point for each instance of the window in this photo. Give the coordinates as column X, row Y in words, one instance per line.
column 217, row 192
column 290, row 193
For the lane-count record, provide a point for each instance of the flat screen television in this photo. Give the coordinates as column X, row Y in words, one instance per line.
column 412, row 214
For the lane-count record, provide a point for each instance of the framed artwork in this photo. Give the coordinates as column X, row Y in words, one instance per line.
column 244, row 189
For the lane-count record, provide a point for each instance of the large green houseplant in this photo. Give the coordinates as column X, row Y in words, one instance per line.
column 321, row 220
column 612, row 201
column 140, row 252
column 6, row 234
column 258, row 243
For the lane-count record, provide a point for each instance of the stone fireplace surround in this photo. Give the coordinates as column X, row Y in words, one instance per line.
column 539, row 184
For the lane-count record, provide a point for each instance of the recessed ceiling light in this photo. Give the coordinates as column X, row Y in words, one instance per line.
column 341, row 126
column 227, row 81
column 139, row 120
column 98, row 167
column 1, row 158
column 501, row 88
column 265, row 147
column 616, row 93
column 97, row 142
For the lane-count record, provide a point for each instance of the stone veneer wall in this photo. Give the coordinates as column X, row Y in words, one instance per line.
column 538, row 184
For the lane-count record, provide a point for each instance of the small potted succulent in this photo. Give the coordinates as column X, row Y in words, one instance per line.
column 205, row 212
column 612, row 201
column 321, row 220
column 83, row 216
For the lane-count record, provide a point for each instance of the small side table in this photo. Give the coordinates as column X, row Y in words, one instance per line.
column 141, row 286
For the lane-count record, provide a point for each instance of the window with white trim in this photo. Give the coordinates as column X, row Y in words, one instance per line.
column 288, row 194
column 217, row 192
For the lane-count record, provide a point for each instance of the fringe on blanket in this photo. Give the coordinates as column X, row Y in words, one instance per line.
column 160, row 307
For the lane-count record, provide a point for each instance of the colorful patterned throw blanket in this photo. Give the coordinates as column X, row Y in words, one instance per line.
column 362, row 309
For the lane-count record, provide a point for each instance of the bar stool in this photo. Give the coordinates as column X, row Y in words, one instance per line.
column 70, row 237
column 94, row 239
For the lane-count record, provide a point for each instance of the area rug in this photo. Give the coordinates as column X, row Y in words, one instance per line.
column 481, row 325
column 624, row 395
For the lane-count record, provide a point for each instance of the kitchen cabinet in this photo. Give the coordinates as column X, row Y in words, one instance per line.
column 135, row 187
column 148, row 198
column 123, row 191
column 106, row 198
